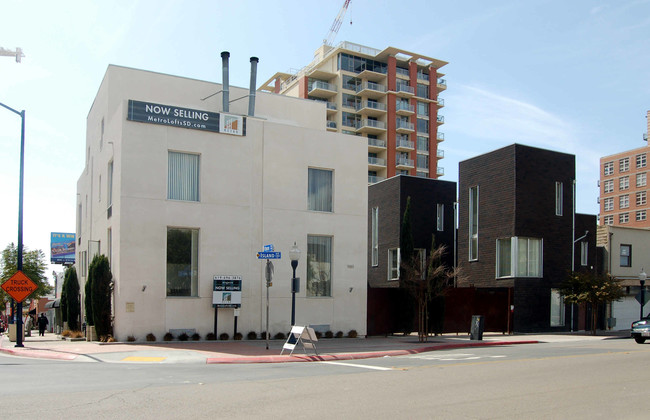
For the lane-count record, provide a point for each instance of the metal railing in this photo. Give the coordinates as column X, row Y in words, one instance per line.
column 406, row 88
column 319, row 84
column 440, row 153
column 404, row 143
column 376, row 143
column 371, row 86
column 440, row 136
column 442, row 82
column 440, row 118
column 373, row 179
column 331, row 124
column 372, row 123
column 404, row 107
column 404, row 124
column 402, row 161
column 373, row 105
column 376, row 161
column 331, row 105
column 440, row 171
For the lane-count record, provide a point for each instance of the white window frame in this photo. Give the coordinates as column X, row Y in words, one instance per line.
column 641, row 215
column 624, row 218
column 641, row 161
column 473, row 222
column 624, row 164
column 374, row 229
column 440, row 217
column 624, row 201
column 608, row 168
column 641, row 179
column 608, row 186
column 393, row 266
column 641, row 198
column 608, row 204
column 624, row 183
column 608, row 220
column 515, row 269
column 559, row 187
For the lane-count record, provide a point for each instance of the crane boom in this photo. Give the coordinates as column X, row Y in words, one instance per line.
column 329, row 39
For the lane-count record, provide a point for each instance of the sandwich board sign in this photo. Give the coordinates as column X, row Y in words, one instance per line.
column 301, row 335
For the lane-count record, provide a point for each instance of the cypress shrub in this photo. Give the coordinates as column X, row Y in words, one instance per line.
column 72, row 298
column 101, row 295
column 88, row 302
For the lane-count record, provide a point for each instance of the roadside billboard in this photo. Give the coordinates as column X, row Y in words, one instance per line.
column 62, row 248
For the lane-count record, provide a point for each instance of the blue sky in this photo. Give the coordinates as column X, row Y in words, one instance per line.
column 571, row 76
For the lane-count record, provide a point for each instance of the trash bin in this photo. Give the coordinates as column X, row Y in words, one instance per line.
column 476, row 330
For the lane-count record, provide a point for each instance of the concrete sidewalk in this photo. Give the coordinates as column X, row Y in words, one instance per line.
column 51, row 346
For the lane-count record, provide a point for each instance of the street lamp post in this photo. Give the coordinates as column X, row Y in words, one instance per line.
column 19, row 260
column 294, row 256
column 642, row 277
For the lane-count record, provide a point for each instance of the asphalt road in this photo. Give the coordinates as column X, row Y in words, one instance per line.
column 584, row 379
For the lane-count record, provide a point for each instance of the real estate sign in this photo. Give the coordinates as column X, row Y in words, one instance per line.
column 226, row 291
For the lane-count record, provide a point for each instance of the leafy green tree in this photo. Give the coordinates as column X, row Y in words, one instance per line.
column 101, row 290
column 88, row 302
column 34, row 266
column 594, row 289
column 72, row 298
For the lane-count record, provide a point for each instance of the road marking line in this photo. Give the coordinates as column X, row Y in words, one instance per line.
column 143, row 359
column 359, row 366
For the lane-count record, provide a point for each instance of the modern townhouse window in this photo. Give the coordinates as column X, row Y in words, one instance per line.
column 183, row 176
column 641, row 215
column 375, row 236
column 320, row 190
column 584, row 253
column 109, row 186
column 559, row 187
column 608, row 204
column 422, row 91
column 624, row 201
column 423, row 109
column 519, row 257
column 350, row 101
column 319, row 266
column 623, row 218
column 423, row 125
column 608, row 168
column 626, row 255
column 624, row 164
column 440, row 217
column 641, row 198
column 422, row 161
column 182, row 262
column 609, row 220
column 641, row 160
column 608, row 186
column 641, row 179
column 624, row 183
column 473, row 223
column 557, row 309
column 393, row 264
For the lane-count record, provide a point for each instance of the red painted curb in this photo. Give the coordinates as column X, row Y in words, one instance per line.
column 39, row 354
column 355, row 356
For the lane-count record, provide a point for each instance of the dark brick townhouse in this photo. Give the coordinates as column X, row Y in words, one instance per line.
column 516, row 230
column 432, row 213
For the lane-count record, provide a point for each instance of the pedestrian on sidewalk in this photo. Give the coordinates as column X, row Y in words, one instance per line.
column 42, row 324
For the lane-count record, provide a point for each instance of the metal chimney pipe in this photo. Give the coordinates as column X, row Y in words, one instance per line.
column 251, row 95
column 226, row 84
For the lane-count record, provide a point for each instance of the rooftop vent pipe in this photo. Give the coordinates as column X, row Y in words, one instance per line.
column 251, row 95
column 226, row 84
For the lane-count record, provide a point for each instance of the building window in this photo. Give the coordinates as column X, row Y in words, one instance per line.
column 109, row 185
column 423, row 109
column 608, row 186
column 557, row 309
column 423, row 144
column 99, row 188
column 375, row 236
column 393, row 264
column 641, row 160
column 640, row 215
column 608, row 204
column 473, row 223
column 423, row 125
column 609, row 220
column 320, row 190
column 626, row 256
column 183, row 177
column 422, row 90
column 641, row 198
column 423, row 161
column 182, row 262
column 319, row 266
column 608, row 168
column 641, row 180
column 624, row 164
column 584, row 253
column 558, row 198
column 624, row 183
column 624, row 201
column 521, row 256
column 440, row 217
column 623, row 217
column 109, row 245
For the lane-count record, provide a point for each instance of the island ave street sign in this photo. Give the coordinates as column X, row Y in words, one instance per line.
column 269, row 255
column 19, row 286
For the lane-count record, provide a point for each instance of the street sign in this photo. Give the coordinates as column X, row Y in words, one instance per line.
column 269, row 255
column 269, row 248
column 19, row 286
column 646, row 297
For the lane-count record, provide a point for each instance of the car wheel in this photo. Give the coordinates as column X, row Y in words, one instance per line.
column 639, row 340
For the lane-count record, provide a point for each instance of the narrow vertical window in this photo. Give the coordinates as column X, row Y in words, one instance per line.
column 182, row 262
column 109, row 245
column 183, row 177
column 626, row 256
column 319, row 190
column 557, row 309
column 99, row 189
column 558, row 198
column 440, row 214
column 393, row 264
column 109, row 185
column 473, row 223
column 375, row 236
column 584, row 249
column 319, row 266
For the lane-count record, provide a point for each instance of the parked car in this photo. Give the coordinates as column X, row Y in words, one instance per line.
column 641, row 330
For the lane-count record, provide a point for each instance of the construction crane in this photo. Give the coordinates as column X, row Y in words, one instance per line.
column 329, row 39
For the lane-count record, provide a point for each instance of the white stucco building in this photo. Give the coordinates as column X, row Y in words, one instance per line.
column 173, row 199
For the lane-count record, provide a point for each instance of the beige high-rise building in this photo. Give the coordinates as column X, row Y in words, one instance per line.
column 624, row 187
column 390, row 96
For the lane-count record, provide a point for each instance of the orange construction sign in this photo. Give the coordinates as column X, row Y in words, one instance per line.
column 19, row 286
